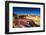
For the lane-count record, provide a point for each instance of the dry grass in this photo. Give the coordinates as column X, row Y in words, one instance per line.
column 36, row 19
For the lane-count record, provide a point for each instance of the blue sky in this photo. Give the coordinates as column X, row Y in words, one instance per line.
column 26, row 10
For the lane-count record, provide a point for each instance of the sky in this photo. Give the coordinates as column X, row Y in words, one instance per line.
column 26, row 10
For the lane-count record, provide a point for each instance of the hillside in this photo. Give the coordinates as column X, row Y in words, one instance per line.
column 35, row 18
